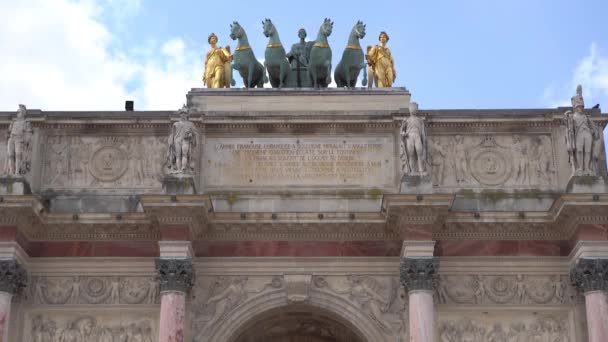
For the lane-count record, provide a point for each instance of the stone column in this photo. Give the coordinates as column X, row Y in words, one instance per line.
column 12, row 279
column 591, row 276
column 176, row 278
column 418, row 275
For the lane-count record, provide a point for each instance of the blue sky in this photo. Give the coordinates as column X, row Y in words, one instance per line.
column 65, row 54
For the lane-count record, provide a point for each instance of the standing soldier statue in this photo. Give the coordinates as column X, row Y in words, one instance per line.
column 182, row 141
column 19, row 145
column 414, row 143
column 583, row 138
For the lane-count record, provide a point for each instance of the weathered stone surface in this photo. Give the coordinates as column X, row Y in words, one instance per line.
column 179, row 184
column 11, row 185
column 299, row 161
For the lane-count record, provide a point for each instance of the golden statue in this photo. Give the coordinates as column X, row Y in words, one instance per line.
column 381, row 63
column 217, row 65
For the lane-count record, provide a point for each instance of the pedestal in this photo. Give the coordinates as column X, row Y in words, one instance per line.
column 587, row 185
column 14, row 185
column 179, row 184
column 416, row 184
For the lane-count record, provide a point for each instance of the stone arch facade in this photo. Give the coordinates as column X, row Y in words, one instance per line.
column 234, row 323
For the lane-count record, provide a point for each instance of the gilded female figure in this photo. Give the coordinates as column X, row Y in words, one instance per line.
column 217, row 65
column 381, row 63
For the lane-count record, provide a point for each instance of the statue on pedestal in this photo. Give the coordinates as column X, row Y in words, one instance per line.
column 583, row 138
column 182, row 141
column 217, row 65
column 19, row 145
column 381, row 64
column 414, row 143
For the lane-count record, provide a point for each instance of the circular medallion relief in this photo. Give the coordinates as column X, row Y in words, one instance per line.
column 490, row 166
column 109, row 163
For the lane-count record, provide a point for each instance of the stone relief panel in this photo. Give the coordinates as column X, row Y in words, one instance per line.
column 216, row 297
column 104, row 162
column 380, row 298
column 93, row 290
column 506, row 289
column 504, row 327
column 493, row 161
column 91, row 327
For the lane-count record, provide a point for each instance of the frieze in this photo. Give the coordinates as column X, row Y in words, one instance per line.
column 109, row 290
column 513, row 289
column 506, row 328
column 216, row 297
column 505, row 161
column 91, row 327
column 104, row 162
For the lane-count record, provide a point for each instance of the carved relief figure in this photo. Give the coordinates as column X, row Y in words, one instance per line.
column 582, row 138
column 75, row 291
column 458, row 160
column 540, row 161
column 137, row 161
column 79, row 160
column 520, row 160
column 182, row 141
column 217, row 65
column 19, row 144
column 520, row 288
column 226, row 300
column 364, row 292
column 414, row 143
column 381, row 64
column 58, row 159
column 438, row 160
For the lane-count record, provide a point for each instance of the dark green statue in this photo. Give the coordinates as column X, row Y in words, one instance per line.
column 319, row 66
column 275, row 61
column 298, row 58
column 244, row 60
column 352, row 62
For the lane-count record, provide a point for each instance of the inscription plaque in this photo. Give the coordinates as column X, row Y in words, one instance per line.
column 337, row 162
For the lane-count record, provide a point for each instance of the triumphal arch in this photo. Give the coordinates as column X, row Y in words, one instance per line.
column 304, row 215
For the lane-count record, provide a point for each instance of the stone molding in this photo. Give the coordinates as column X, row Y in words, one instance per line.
column 175, row 274
column 13, row 276
column 590, row 274
column 419, row 273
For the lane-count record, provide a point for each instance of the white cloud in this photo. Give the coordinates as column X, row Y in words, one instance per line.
column 592, row 73
column 56, row 56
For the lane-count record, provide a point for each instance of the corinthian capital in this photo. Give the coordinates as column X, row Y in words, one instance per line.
column 12, row 276
column 590, row 274
column 419, row 273
column 175, row 274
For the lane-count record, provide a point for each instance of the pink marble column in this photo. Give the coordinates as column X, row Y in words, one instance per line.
column 422, row 316
column 419, row 275
column 597, row 316
column 172, row 316
column 12, row 279
column 176, row 277
column 591, row 276
column 5, row 310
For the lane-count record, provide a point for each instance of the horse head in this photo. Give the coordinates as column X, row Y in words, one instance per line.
column 236, row 30
column 326, row 27
column 359, row 29
column 268, row 27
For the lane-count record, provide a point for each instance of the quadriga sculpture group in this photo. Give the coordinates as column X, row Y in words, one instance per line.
column 307, row 64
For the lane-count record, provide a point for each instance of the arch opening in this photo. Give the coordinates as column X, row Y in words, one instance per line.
column 297, row 323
